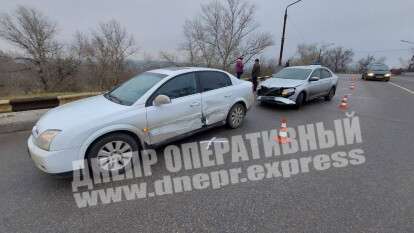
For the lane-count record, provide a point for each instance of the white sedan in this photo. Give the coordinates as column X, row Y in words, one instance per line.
column 152, row 108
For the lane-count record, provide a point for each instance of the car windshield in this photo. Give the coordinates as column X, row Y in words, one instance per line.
column 381, row 67
column 293, row 73
column 133, row 89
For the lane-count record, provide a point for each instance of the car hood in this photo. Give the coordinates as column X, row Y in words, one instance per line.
column 79, row 113
column 279, row 82
column 380, row 71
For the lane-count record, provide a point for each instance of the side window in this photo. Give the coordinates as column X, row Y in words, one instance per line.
column 316, row 73
column 325, row 74
column 211, row 80
column 179, row 86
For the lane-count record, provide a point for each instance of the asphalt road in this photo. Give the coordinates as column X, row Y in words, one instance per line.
column 377, row 196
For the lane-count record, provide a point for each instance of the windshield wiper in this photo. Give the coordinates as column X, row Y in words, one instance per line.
column 113, row 98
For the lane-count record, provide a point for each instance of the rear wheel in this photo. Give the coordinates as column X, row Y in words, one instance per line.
column 331, row 94
column 236, row 116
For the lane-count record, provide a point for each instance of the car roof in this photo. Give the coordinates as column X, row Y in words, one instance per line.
column 170, row 71
column 307, row 67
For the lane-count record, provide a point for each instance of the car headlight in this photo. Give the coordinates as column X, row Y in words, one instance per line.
column 288, row 91
column 370, row 74
column 45, row 139
column 387, row 75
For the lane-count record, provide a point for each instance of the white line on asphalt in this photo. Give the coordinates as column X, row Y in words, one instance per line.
column 405, row 89
column 214, row 139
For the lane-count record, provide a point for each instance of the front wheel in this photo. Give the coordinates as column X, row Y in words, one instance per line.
column 236, row 116
column 300, row 100
column 114, row 153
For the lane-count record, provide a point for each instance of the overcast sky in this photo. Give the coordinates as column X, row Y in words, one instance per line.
column 366, row 26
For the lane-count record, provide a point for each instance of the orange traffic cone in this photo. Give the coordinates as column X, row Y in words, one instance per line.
column 352, row 87
column 282, row 138
column 344, row 103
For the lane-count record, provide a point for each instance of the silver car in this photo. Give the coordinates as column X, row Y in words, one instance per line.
column 298, row 84
column 152, row 108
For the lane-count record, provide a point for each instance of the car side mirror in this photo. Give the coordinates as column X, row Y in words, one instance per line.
column 161, row 99
column 313, row 79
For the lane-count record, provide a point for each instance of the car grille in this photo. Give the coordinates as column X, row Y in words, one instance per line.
column 269, row 91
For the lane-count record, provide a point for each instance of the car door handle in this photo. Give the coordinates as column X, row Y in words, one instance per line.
column 227, row 96
column 195, row 104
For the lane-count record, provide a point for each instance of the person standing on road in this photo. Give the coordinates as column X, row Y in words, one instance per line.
column 239, row 67
column 287, row 63
column 255, row 73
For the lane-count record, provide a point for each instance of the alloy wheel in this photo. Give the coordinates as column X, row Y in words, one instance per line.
column 237, row 116
column 114, row 155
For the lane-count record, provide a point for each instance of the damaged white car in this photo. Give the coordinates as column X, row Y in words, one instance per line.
column 153, row 108
column 298, row 84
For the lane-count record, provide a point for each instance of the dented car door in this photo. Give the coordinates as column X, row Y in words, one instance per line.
column 216, row 95
column 181, row 116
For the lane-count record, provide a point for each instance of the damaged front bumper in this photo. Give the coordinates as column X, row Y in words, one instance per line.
column 273, row 99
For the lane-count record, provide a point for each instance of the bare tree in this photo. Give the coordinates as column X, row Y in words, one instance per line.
column 32, row 32
column 307, row 54
column 223, row 32
column 364, row 62
column 338, row 58
column 112, row 46
column 106, row 49
column 170, row 58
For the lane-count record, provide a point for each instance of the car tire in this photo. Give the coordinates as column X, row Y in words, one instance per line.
column 113, row 154
column 331, row 94
column 387, row 80
column 300, row 100
column 236, row 116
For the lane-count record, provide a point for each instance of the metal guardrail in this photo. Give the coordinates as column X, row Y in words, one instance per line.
column 34, row 103
column 5, row 106
column 25, row 104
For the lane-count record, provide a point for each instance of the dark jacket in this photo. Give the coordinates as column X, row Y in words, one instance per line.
column 256, row 70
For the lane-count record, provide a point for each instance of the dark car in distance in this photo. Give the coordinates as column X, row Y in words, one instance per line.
column 377, row 71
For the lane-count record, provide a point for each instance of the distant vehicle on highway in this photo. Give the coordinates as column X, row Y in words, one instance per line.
column 377, row 71
column 297, row 84
column 153, row 108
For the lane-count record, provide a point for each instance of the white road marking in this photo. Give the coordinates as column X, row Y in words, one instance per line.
column 350, row 114
column 405, row 89
column 214, row 139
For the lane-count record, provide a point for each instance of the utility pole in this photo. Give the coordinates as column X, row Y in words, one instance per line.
column 283, row 33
